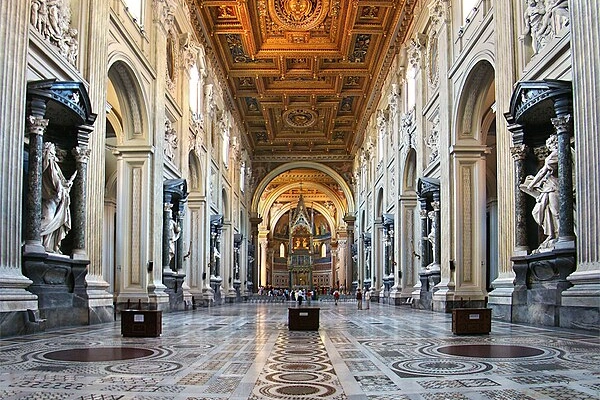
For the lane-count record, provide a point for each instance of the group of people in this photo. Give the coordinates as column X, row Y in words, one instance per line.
column 366, row 296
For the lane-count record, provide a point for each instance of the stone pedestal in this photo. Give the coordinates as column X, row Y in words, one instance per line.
column 540, row 280
column 59, row 283
column 174, row 282
column 428, row 281
column 215, row 284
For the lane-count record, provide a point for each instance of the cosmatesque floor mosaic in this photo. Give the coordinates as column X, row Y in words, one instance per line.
column 245, row 351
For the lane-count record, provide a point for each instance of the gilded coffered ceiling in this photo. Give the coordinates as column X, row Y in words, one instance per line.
column 303, row 75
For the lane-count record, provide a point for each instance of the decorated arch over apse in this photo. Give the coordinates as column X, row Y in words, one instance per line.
column 265, row 207
column 348, row 207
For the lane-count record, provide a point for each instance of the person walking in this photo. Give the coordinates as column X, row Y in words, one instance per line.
column 336, row 297
column 367, row 298
column 359, row 298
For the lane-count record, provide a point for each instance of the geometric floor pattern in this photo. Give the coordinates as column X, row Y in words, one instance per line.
column 245, row 351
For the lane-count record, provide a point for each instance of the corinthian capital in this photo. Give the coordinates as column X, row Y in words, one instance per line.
column 81, row 154
column 518, row 152
column 36, row 125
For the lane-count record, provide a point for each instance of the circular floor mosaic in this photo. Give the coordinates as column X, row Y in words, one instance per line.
column 440, row 367
column 491, row 351
column 98, row 354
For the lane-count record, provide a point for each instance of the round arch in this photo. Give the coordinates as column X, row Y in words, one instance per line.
column 470, row 104
column 302, row 164
column 131, row 98
column 266, row 205
column 409, row 173
column 379, row 203
column 195, row 173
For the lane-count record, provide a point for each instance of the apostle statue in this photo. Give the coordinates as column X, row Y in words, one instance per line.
column 56, row 215
column 544, row 187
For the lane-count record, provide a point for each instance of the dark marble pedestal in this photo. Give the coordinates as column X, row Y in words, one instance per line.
column 174, row 282
column 59, row 283
column 428, row 281
column 540, row 280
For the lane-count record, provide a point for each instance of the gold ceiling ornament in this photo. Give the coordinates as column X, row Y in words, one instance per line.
column 300, row 118
column 298, row 15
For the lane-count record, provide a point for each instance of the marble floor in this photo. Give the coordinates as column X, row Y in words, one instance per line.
column 245, row 351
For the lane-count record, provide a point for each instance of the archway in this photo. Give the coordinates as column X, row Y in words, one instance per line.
column 276, row 196
column 474, row 170
column 127, row 203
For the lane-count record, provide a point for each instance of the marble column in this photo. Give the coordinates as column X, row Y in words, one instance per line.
column 36, row 125
column 350, row 265
column 263, row 261
column 566, row 234
column 13, row 46
column 79, row 197
column 519, row 153
column 424, row 233
column 581, row 303
column 179, row 243
column 253, row 276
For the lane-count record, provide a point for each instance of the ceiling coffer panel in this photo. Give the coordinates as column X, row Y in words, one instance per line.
column 302, row 74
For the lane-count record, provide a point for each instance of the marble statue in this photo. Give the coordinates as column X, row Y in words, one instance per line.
column 174, row 233
column 544, row 187
column 171, row 141
column 56, row 215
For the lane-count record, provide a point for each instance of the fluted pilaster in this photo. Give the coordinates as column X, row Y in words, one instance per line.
column 581, row 303
column 13, row 47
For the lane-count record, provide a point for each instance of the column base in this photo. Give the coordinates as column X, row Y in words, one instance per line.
column 502, row 298
column 580, row 307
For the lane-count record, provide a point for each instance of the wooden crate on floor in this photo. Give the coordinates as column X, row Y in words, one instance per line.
column 471, row 320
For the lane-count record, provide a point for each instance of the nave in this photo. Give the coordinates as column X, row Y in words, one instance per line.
column 245, row 351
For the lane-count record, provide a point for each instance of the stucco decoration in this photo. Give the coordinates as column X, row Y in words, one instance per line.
column 544, row 20
column 196, row 135
column 407, row 132
column 433, row 139
column 52, row 19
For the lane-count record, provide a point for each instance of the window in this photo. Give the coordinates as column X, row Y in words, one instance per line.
column 194, row 92
column 467, row 8
column 225, row 147
column 411, row 87
column 135, row 8
column 242, row 175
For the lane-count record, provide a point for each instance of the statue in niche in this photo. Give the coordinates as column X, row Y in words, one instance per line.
column 56, row 215
column 171, row 141
column 174, row 233
column 544, row 187
column 432, row 237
